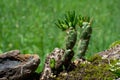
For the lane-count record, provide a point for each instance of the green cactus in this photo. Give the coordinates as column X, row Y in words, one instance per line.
column 60, row 59
column 70, row 20
column 84, row 39
column 68, row 57
column 69, row 24
column 71, row 38
column 82, row 19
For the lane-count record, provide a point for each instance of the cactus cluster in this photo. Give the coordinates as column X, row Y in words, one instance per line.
column 69, row 24
column 60, row 59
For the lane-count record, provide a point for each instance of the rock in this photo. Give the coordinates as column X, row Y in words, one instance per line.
column 48, row 73
column 16, row 66
column 112, row 53
column 98, row 67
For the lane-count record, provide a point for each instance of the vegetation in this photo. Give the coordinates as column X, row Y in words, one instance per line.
column 69, row 24
column 28, row 25
column 114, row 44
column 97, row 68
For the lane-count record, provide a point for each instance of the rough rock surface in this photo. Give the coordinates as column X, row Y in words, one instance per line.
column 16, row 66
column 57, row 55
column 112, row 53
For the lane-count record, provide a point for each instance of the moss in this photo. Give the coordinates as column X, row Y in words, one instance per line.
column 94, row 58
column 97, row 69
column 115, row 67
column 114, row 44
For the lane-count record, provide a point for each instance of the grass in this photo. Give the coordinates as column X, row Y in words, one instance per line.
column 28, row 25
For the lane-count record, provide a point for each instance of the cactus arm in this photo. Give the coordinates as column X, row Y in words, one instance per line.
column 67, row 58
column 71, row 38
column 70, row 42
column 69, row 24
column 84, row 39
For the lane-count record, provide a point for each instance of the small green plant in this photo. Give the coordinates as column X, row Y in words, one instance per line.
column 52, row 63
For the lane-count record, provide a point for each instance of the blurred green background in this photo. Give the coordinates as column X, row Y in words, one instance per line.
column 28, row 25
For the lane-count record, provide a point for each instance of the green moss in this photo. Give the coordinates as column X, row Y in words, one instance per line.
column 52, row 63
column 115, row 43
column 115, row 67
column 97, row 69
column 94, row 58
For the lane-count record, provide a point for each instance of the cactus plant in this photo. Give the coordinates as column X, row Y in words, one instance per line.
column 60, row 59
column 69, row 24
column 85, row 24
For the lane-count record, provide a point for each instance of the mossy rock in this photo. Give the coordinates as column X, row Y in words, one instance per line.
column 96, row 69
column 115, row 43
